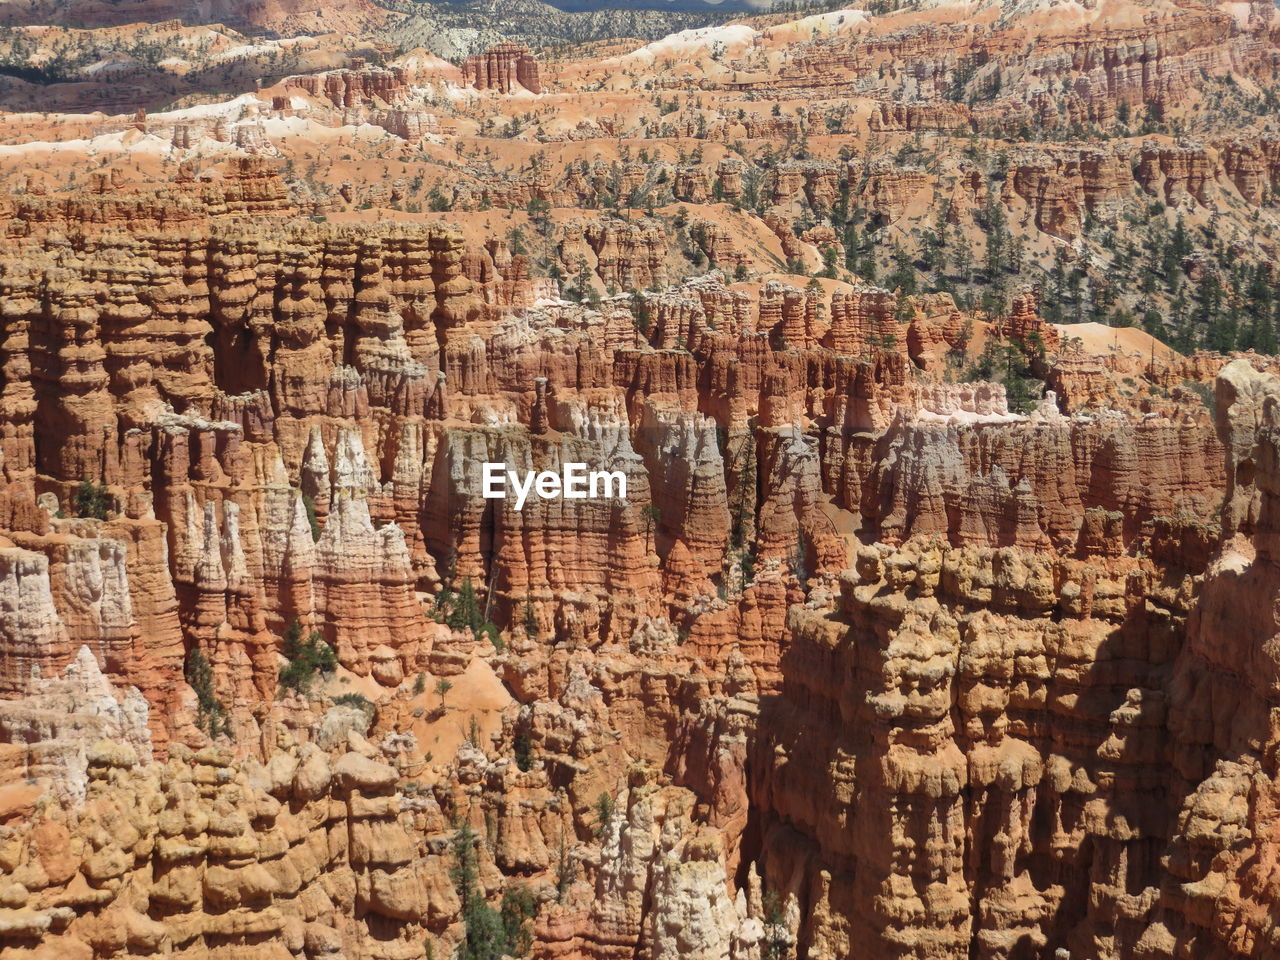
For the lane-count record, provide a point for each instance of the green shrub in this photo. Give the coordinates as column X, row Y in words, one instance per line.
column 443, row 686
column 490, row 630
column 307, row 658
column 524, row 750
column 357, row 700
column 464, row 613
column 92, row 500
column 518, row 908
column 310, row 506
column 490, row 934
column 604, row 813
column 776, row 938
column 566, row 871
column 211, row 715
column 1206, row 394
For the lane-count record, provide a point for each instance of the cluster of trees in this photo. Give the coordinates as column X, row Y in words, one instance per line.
column 92, row 500
column 1177, row 283
column 21, row 58
column 308, row 659
column 491, row 933
column 211, row 715
column 461, row 610
column 1009, row 361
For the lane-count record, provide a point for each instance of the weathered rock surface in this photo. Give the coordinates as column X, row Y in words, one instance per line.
column 200, row 855
column 505, row 68
column 874, row 657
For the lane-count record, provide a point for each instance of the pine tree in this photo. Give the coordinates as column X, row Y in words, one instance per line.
column 903, row 277
column 466, row 614
column 309, row 505
column 443, row 686
column 211, row 715
column 798, row 568
column 490, row 934
column 996, row 224
column 1216, row 325
column 307, row 658
column 851, row 248
column 523, row 747
column 91, row 500
column 776, row 944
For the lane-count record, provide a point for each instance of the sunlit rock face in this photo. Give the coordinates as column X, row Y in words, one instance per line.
column 919, row 666
column 911, row 625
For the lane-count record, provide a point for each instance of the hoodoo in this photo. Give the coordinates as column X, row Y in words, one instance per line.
column 505, row 68
column 735, row 482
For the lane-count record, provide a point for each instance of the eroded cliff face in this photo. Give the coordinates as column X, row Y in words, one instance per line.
column 201, row 856
column 864, row 661
column 1039, row 751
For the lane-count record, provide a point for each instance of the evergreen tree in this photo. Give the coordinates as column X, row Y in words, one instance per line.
column 640, row 312
column 518, row 908
column 903, row 277
column 490, row 934
column 91, row 500
column 851, row 248
column 776, row 945
column 962, row 259
column 211, row 715
column 309, row 505
column 1211, row 321
column 466, row 614
column 530, row 621
column 524, row 750
column 443, row 686
column 997, row 231
column 307, row 658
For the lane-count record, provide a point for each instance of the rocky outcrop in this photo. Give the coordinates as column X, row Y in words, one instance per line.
column 243, row 185
column 46, row 736
column 1178, row 173
column 940, row 717
column 504, row 68
column 908, row 117
column 873, row 657
column 1254, row 168
column 953, row 737
column 351, row 88
column 200, row 854
column 1062, row 189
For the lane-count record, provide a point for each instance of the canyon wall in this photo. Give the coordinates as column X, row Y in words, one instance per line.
column 1039, row 752
column 864, row 658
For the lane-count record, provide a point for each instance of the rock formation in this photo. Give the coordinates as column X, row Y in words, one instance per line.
column 934, row 348
column 504, row 68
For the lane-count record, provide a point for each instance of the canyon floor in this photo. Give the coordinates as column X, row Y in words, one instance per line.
column 935, row 342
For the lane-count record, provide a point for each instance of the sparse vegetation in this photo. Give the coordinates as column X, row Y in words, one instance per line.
column 442, row 688
column 777, row 940
column 309, row 505
column 308, row 658
column 490, row 934
column 604, row 813
column 357, row 700
column 211, row 715
column 523, row 750
column 91, row 500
